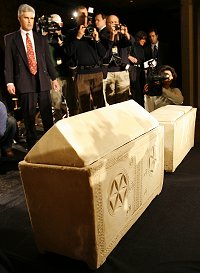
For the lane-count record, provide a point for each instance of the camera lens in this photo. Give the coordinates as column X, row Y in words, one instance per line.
column 117, row 27
column 89, row 30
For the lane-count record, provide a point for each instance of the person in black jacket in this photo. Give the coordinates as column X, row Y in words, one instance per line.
column 100, row 22
column 156, row 50
column 136, row 71
column 65, row 101
column 85, row 48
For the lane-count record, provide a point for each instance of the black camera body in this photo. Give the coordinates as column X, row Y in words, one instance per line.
column 53, row 38
column 154, row 79
column 45, row 24
column 117, row 27
column 158, row 78
column 116, row 60
column 154, row 82
column 89, row 30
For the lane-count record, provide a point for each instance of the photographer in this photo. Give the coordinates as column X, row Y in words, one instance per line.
column 55, row 41
column 117, row 44
column 164, row 81
column 52, row 28
column 85, row 48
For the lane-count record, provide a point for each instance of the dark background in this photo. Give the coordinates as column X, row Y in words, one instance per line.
column 137, row 15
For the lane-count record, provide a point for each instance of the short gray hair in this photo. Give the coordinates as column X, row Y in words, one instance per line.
column 25, row 8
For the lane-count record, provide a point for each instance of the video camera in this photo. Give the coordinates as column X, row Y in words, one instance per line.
column 45, row 24
column 154, row 80
column 155, row 84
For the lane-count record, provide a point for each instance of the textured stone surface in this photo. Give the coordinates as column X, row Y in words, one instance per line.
column 179, row 124
column 83, row 209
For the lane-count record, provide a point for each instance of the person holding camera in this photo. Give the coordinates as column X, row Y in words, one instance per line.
column 28, row 69
column 56, row 41
column 164, row 81
column 64, row 101
column 51, row 27
column 117, row 44
column 85, row 48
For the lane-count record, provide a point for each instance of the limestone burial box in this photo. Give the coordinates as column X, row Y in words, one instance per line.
column 90, row 177
column 179, row 128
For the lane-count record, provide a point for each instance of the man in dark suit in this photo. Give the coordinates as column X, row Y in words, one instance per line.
column 100, row 23
column 28, row 69
column 156, row 49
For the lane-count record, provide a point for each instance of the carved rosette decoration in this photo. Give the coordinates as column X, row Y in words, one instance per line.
column 118, row 194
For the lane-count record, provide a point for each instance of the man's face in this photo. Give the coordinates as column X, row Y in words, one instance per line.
column 153, row 37
column 111, row 21
column 99, row 21
column 26, row 20
column 82, row 17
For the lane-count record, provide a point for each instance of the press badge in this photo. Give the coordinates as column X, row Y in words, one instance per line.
column 114, row 50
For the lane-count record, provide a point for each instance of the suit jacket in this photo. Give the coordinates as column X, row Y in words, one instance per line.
column 16, row 63
column 104, row 33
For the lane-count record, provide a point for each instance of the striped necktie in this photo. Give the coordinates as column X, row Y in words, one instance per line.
column 30, row 55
